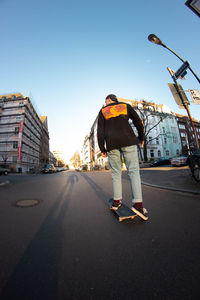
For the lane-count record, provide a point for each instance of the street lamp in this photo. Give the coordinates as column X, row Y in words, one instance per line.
column 155, row 40
column 194, row 159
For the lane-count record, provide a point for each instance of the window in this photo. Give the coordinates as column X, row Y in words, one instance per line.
column 152, row 153
column 15, row 145
column 157, row 141
column 150, row 140
column 16, row 130
column 14, row 159
column 159, row 153
column 181, row 126
column 163, row 129
column 175, row 140
column 177, row 152
column 167, row 152
column 165, row 140
column 183, row 134
column 18, row 118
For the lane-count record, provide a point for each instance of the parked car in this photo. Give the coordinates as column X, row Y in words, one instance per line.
column 179, row 161
column 4, row 171
column 79, row 169
column 49, row 169
column 161, row 162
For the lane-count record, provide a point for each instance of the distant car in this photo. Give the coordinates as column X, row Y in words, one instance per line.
column 161, row 162
column 179, row 161
column 79, row 169
column 59, row 169
column 4, row 171
column 49, row 169
column 96, row 168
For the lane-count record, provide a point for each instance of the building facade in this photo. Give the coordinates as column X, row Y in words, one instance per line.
column 85, row 153
column 59, row 156
column 24, row 137
column 186, row 132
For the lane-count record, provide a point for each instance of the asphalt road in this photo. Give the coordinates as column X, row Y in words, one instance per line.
column 71, row 246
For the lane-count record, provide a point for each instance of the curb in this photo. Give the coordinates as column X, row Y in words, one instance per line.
column 4, row 183
column 171, row 188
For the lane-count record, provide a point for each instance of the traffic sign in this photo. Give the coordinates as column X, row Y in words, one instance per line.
column 176, row 95
column 182, row 70
column 195, row 95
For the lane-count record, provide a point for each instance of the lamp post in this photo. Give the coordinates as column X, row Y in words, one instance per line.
column 154, row 39
column 194, row 159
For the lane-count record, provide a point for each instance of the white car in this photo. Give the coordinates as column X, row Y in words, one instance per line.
column 179, row 161
column 4, row 171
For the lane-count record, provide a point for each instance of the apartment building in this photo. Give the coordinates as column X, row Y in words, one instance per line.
column 170, row 137
column 59, row 156
column 52, row 158
column 85, row 153
column 24, row 137
column 186, row 132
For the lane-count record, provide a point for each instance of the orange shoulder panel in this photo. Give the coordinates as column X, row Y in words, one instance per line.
column 114, row 111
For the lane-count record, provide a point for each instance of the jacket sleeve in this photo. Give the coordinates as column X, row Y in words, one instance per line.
column 101, row 132
column 137, row 121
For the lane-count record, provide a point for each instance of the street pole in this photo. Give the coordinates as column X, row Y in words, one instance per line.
column 194, row 158
column 186, row 107
column 155, row 40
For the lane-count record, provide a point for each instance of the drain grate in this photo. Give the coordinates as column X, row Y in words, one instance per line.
column 27, row 203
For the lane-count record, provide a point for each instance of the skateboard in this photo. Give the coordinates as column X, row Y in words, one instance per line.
column 123, row 212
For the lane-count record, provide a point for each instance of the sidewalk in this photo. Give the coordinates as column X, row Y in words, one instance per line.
column 171, row 178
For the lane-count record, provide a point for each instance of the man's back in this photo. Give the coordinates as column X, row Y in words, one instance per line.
column 114, row 127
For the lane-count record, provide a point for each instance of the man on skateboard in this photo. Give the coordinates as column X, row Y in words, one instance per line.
column 116, row 138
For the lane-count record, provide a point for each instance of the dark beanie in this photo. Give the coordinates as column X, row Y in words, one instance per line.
column 112, row 97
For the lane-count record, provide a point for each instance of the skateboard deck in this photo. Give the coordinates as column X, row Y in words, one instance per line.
column 123, row 212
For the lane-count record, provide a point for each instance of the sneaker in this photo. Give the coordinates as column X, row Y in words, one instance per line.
column 140, row 211
column 116, row 205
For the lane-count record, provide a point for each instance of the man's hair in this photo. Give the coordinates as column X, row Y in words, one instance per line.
column 112, row 97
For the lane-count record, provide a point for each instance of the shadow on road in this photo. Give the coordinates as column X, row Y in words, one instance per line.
column 101, row 194
column 36, row 276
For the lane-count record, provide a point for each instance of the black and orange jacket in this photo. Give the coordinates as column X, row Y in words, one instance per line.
column 114, row 130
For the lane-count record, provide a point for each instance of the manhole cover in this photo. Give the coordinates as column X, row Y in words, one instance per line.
column 27, row 203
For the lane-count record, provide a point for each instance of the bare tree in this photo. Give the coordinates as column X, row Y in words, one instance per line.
column 75, row 160
column 148, row 110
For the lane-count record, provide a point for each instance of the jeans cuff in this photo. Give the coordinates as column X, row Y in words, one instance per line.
column 137, row 201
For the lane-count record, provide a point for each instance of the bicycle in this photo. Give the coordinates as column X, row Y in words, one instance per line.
column 194, row 164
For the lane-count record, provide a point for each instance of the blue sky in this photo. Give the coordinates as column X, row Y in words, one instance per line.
column 68, row 55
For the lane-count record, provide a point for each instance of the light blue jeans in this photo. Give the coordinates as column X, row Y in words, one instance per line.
column 131, row 161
